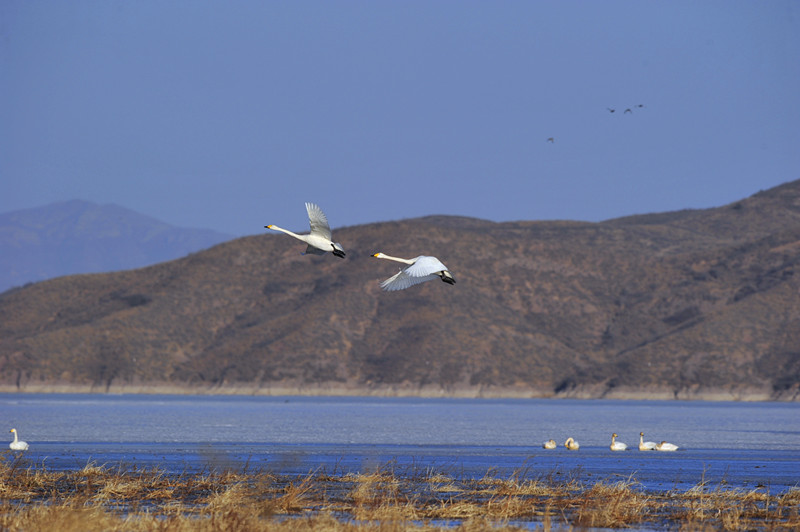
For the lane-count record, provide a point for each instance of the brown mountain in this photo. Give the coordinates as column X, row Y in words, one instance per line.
column 688, row 304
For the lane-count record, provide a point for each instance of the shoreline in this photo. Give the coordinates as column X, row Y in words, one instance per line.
column 431, row 392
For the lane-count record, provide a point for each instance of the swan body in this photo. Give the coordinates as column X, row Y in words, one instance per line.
column 319, row 239
column 420, row 269
column 664, row 446
column 645, row 445
column 617, row 445
column 571, row 444
column 17, row 444
column 549, row 444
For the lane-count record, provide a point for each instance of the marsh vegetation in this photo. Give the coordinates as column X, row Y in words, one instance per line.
column 103, row 497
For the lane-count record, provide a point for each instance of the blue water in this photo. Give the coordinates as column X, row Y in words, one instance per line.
column 729, row 444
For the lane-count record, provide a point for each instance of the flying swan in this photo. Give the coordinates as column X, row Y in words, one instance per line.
column 664, row 446
column 645, row 445
column 571, row 444
column 549, row 444
column 319, row 240
column 17, row 444
column 420, row 269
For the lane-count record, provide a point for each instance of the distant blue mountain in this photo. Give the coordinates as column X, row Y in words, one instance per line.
column 82, row 237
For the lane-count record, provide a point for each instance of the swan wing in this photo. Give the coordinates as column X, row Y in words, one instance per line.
column 424, row 266
column 311, row 250
column 402, row 280
column 318, row 221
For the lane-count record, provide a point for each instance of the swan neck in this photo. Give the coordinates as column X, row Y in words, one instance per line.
column 282, row 230
column 398, row 259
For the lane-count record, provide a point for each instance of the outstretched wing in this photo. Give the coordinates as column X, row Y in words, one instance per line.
column 318, row 221
column 424, row 269
column 402, row 280
column 424, row 266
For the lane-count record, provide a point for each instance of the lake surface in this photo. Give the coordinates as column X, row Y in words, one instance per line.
column 729, row 444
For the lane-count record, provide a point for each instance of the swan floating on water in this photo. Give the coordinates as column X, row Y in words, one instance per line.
column 549, row 444
column 617, row 445
column 571, row 444
column 319, row 239
column 664, row 446
column 420, row 269
column 17, row 444
column 646, row 445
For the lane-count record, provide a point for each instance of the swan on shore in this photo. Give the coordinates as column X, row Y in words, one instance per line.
column 420, row 269
column 17, row 444
column 549, row 444
column 664, row 446
column 617, row 445
column 571, row 444
column 319, row 239
column 646, row 445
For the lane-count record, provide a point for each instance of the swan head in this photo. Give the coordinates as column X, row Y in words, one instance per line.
column 338, row 250
column 447, row 277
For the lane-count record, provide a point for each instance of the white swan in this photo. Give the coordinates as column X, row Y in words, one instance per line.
column 420, row 269
column 645, row 445
column 549, row 444
column 571, row 444
column 617, row 445
column 17, row 444
column 319, row 239
column 664, row 446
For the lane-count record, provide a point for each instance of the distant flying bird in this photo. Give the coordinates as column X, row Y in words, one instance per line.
column 664, row 446
column 617, row 445
column 420, row 269
column 627, row 110
column 571, row 444
column 319, row 240
column 549, row 444
column 551, row 139
column 17, row 444
column 645, row 445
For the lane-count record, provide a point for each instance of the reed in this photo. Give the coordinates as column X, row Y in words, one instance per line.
column 99, row 497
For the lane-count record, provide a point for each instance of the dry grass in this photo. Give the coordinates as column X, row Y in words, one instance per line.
column 103, row 498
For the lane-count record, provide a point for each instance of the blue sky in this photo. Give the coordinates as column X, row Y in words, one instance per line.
column 230, row 115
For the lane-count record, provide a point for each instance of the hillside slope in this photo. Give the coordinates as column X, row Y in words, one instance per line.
column 688, row 304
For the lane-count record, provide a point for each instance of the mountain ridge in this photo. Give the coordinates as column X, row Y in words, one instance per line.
column 695, row 304
column 78, row 236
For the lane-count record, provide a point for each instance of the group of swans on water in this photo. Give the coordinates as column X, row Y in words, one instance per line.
column 319, row 240
column 572, row 445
